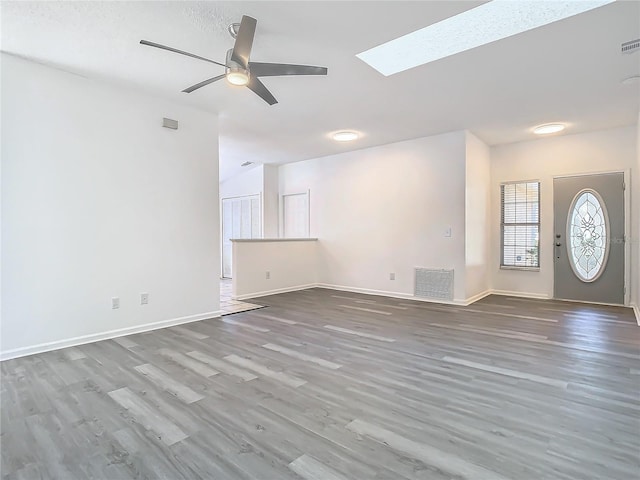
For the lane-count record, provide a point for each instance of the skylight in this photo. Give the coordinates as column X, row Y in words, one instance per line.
column 487, row 23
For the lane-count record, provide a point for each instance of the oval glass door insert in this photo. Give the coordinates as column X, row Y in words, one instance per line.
column 587, row 235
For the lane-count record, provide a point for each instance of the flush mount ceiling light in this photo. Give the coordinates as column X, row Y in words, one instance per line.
column 345, row 136
column 487, row 23
column 548, row 128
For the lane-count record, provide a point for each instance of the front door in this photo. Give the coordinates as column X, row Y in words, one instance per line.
column 589, row 238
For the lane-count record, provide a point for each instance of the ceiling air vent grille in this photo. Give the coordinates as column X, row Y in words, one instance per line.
column 434, row 284
column 630, row 47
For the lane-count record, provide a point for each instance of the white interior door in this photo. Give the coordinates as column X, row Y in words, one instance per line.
column 241, row 218
column 295, row 215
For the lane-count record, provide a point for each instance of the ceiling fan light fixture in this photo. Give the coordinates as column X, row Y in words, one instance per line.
column 239, row 70
column 548, row 128
column 238, row 77
column 345, row 136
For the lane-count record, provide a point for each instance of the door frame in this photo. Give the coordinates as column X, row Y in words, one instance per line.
column 627, row 225
column 221, row 232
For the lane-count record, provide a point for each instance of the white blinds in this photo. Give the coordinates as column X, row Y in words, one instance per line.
column 520, row 221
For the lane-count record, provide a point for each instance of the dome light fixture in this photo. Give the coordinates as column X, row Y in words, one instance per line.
column 548, row 128
column 345, row 136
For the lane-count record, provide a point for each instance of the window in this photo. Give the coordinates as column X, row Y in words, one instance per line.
column 520, row 224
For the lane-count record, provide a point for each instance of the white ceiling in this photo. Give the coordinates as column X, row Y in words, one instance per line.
column 569, row 71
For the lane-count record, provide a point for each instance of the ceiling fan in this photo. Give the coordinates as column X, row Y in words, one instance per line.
column 239, row 70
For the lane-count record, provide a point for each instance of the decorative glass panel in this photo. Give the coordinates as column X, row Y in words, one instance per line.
column 587, row 234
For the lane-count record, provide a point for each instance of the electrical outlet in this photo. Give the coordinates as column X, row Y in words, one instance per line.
column 268, row 275
column 392, row 276
column 115, row 302
column 144, row 299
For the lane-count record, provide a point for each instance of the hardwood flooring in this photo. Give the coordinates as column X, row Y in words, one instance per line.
column 326, row 385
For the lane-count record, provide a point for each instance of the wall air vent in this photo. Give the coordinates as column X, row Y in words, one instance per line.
column 169, row 123
column 630, row 47
column 434, row 284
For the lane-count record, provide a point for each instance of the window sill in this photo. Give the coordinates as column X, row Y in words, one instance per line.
column 527, row 269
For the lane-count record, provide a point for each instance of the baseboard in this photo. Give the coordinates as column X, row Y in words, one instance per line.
column 384, row 293
column 636, row 310
column 96, row 337
column 508, row 293
column 477, row 297
column 275, row 291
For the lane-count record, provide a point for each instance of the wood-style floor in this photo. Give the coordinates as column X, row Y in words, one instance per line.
column 328, row 385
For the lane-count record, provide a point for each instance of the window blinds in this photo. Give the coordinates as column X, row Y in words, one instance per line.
column 520, row 222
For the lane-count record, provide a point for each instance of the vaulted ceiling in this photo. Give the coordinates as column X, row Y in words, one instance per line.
column 568, row 71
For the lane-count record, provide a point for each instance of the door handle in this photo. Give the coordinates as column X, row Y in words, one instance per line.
column 558, row 244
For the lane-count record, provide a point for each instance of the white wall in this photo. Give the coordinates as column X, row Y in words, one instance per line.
column 635, row 182
column 477, row 216
column 100, row 201
column 384, row 210
column 249, row 182
column 291, row 265
column 601, row 151
column 270, row 201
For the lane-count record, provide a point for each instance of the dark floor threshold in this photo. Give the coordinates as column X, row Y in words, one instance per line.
column 244, row 311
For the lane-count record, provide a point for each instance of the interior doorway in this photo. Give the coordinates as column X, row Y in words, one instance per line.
column 241, row 218
column 589, row 238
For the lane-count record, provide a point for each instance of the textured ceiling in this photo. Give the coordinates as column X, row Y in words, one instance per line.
column 569, row 71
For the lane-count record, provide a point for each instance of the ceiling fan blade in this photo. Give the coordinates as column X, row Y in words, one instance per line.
column 203, row 83
column 259, row 89
column 277, row 69
column 175, row 50
column 244, row 41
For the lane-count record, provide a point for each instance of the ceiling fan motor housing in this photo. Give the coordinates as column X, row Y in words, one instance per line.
column 234, row 67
